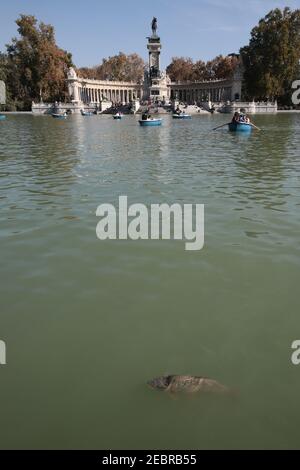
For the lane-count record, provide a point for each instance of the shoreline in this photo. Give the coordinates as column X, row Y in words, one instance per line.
column 287, row 111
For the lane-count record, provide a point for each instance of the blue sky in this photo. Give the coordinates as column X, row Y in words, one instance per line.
column 93, row 29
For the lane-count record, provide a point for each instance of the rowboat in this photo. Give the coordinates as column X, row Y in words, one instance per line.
column 182, row 116
column 239, row 127
column 86, row 113
column 59, row 116
column 150, row 122
column 2, row 117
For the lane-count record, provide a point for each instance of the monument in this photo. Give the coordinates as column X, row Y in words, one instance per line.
column 156, row 83
column 72, row 88
column 103, row 95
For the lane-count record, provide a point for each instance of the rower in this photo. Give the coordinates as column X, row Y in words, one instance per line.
column 236, row 117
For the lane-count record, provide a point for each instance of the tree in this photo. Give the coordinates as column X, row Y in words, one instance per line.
column 271, row 59
column 199, row 71
column 120, row 67
column 35, row 66
column 184, row 69
column 224, row 67
column 181, row 69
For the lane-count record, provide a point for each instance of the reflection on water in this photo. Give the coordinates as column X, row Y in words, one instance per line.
column 87, row 323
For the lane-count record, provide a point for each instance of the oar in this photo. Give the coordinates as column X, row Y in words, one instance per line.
column 253, row 125
column 215, row 128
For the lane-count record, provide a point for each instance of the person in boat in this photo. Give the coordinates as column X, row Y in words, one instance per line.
column 236, row 118
column 244, row 119
column 145, row 116
column 243, row 116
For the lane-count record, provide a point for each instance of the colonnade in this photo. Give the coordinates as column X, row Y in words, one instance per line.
column 95, row 91
column 95, row 95
column 189, row 94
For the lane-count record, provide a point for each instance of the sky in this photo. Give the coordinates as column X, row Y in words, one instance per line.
column 93, row 29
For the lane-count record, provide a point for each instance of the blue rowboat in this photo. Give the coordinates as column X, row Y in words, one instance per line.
column 59, row 116
column 182, row 116
column 150, row 122
column 86, row 113
column 239, row 127
column 2, row 117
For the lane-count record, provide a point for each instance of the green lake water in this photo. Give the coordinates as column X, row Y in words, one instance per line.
column 87, row 322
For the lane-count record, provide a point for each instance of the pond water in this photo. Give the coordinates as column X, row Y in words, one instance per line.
column 87, row 322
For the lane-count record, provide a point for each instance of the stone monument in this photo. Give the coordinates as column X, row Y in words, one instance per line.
column 156, row 81
column 72, row 85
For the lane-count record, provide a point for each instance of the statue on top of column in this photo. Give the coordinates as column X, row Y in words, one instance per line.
column 154, row 25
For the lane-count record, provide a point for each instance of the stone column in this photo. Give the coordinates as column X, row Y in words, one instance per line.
column 75, row 92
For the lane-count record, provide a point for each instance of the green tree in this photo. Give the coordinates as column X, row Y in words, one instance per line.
column 271, row 59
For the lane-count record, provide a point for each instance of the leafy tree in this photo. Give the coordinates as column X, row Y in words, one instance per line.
column 119, row 67
column 199, row 70
column 271, row 59
column 184, row 69
column 36, row 66
column 181, row 69
column 87, row 72
column 221, row 67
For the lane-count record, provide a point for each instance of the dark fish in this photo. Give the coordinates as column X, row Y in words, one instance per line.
column 187, row 383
